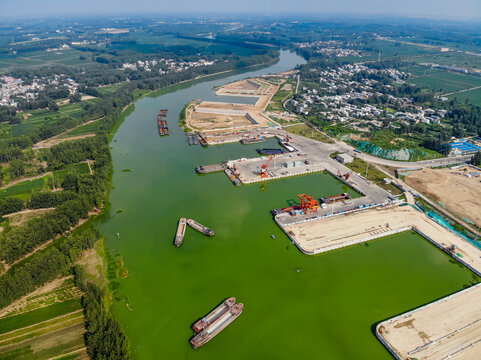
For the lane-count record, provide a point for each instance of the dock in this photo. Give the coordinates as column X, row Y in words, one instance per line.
column 199, row 227
column 179, row 236
column 208, row 169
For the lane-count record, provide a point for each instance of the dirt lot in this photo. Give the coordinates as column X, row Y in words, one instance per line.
column 450, row 328
column 451, row 188
column 242, row 85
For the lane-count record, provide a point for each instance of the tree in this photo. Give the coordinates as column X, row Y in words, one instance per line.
column 17, row 169
column 70, row 182
column 75, row 98
column 52, row 106
column 477, row 159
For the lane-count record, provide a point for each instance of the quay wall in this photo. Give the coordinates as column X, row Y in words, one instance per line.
column 301, row 172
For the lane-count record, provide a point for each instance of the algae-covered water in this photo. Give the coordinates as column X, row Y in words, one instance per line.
column 296, row 306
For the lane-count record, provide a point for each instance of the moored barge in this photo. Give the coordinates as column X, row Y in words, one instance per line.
column 199, row 227
column 214, row 315
column 217, row 326
column 179, row 236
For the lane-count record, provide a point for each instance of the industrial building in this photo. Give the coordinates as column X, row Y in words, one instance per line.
column 344, row 158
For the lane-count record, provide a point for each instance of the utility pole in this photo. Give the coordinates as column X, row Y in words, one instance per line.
column 367, row 168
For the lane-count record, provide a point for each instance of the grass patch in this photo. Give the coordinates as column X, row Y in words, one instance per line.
column 79, row 168
column 91, row 128
column 373, row 174
column 308, row 132
column 24, row 189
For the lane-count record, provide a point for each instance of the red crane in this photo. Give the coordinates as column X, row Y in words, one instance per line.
column 263, row 173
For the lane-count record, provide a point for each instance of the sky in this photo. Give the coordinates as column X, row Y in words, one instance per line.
column 437, row 9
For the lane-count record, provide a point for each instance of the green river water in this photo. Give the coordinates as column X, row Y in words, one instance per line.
column 327, row 310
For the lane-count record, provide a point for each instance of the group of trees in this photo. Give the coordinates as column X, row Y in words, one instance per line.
column 104, row 337
column 44, row 266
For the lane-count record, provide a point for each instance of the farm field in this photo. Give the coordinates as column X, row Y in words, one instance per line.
column 452, row 58
column 24, row 189
column 443, row 81
column 90, row 128
column 474, row 96
column 306, row 131
column 47, row 323
column 42, row 58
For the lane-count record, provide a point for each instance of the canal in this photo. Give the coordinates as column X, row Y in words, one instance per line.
column 296, row 306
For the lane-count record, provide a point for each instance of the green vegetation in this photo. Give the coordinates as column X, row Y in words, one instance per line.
column 278, row 99
column 23, row 190
column 308, row 132
column 33, row 317
column 443, row 81
column 104, row 338
column 182, row 118
column 373, row 174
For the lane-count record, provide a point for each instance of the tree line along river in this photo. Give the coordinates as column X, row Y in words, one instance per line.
column 296, row 306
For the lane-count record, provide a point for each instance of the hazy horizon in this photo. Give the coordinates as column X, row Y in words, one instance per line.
column 429, row 9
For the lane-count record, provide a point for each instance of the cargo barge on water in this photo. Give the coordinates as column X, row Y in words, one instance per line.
column 161, row 123
column 214, row 315
column 217, row 326
column 253, row 140
column 201, row 228
column 179, row 236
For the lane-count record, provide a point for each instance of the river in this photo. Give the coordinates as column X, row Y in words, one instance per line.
column 296, row 306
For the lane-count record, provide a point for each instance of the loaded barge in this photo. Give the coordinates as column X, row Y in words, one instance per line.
column 271, row 151
column 217, row 326
column 214, row 315
column 179, row 236
column 253, row 140
column 162, row 124
column 201, row 228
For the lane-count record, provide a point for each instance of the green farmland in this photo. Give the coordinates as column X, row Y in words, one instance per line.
column 47, row 325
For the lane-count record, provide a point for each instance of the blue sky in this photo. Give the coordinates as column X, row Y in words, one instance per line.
column 446, row 9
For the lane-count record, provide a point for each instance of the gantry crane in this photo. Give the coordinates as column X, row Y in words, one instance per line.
column 308, row 204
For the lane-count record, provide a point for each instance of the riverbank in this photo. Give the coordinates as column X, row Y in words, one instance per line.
column 242, row 258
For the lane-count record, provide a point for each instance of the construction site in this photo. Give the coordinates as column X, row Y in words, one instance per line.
column 319, row 225
column 224, row 122
column 458, row 189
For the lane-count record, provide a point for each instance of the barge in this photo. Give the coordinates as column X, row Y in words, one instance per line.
column 179, row 236
column 253, row 140
column 271, row 151
column 214, row 315
column 217, row 326
column 201, row 228
column 335, row 198
column 161, row 123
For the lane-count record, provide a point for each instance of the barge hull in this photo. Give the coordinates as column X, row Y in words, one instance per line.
column 217, row 326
